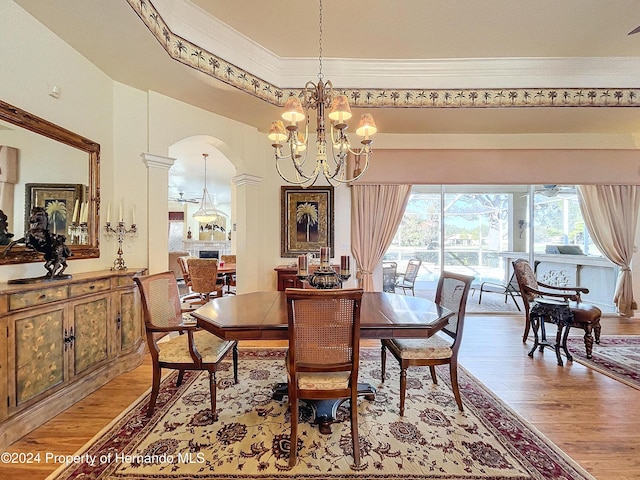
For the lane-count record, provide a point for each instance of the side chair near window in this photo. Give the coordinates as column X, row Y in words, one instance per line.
column 540, row 307
column 389, row 274
column 406, row 281
column 324, row 352
column 192, row 349
column 203, row 273
column 510, row 289
column 451, row 293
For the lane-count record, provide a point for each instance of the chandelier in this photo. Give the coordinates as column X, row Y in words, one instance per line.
column 207, row 213
column 290, row 143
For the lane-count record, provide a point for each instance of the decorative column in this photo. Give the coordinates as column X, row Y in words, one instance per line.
column 157, row 210
column 248, row 256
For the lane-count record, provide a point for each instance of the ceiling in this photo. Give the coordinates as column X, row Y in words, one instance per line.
column 420, row 43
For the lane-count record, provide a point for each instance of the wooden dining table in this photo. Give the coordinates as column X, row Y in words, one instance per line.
column 263, row 316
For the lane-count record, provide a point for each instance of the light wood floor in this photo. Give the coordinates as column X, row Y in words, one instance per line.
column 593, row 418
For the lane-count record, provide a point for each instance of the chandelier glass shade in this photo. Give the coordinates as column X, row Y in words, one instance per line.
column 207, row 212
column 332, row 147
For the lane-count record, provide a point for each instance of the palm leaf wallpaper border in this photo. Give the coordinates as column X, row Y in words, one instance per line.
column 194, row 56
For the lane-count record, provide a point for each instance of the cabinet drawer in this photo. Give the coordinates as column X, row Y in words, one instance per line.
column 96, row 286
column 37, row 297
column 125, row 281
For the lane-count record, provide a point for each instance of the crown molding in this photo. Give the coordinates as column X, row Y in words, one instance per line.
column 195, row 38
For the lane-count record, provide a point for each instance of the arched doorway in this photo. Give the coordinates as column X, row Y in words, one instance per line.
column 186, row 183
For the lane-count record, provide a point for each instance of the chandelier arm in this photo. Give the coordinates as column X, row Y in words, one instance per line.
column 285, row 178
column 319, row 96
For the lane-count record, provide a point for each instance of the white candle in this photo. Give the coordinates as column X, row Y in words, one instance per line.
column 121, row 216
column 75, row 212
column 302, row 265
column 86, row 212
column 324, row 256
column 344, row 265
column 133, row 214
column 109, row 213
column 81, row 212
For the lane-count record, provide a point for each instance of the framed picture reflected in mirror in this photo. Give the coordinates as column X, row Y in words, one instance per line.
column 62, row 202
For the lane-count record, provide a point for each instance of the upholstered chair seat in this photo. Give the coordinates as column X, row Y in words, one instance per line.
column 210, row 348
column 434, row 347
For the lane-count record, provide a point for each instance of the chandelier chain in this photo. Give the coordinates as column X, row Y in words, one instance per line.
column 320, row 74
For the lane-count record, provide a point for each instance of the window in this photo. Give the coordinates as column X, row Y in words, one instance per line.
column 470, row 228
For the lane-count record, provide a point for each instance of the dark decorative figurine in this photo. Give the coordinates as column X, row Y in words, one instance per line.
column 40, row 239
column 5, row 236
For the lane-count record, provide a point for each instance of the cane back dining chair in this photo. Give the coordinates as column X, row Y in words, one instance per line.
column 203, row 273
column 585, row 316
column 452, row 292
column 191, row 349
column 324, row 351
column 407, row 280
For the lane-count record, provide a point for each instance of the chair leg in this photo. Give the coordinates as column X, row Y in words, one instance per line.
column 155, row 388
column 212, row 391
column 403, row 388
column 235, row 363
column 383, row 360
column 565, row 336
column 588, row 339
column 453, row 369
column 527, row 326
column 293, row 441
column 597, row 328
column 354, row 427
column 434, row 377
column 180, row 377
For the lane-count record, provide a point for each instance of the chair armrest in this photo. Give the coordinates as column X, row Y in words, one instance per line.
column 556, row 287
column 193, row 351
column 541, row 293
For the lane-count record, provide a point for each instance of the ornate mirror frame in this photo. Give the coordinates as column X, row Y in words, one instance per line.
column 21, row 118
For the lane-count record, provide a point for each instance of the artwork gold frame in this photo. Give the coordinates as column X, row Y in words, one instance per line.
column 306, row 220
column 52, row 195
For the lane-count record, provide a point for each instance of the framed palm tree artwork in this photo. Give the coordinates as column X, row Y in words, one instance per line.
column 61, row 201
column 306, row 220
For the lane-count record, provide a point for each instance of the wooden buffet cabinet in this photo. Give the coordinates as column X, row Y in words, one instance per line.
column 64, row 339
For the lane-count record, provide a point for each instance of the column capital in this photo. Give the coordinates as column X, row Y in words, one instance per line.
column 157, row 161
column 246, row 179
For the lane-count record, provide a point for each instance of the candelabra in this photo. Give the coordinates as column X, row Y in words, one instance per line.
column 323, row 277
column 78, row 233
column 120, row 232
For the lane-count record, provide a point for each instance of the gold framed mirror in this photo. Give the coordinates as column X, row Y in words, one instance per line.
column 47, row 154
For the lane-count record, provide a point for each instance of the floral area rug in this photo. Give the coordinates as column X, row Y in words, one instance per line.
column 616, row 356
column 250, row 440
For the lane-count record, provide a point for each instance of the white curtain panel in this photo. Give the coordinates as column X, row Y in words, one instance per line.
column 376, row 212
column 611, row 215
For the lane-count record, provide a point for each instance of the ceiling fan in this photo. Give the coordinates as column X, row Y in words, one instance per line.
column 181, row 199
column 555, row 190
column 635, row 30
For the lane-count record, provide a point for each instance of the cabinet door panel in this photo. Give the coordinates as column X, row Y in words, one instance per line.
column 90, row 331
column 39, row 354
column 129, row 320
